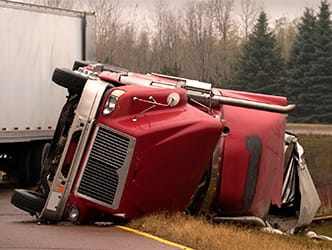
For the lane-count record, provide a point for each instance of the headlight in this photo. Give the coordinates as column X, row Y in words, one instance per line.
column 73, row 214
column 112, row 101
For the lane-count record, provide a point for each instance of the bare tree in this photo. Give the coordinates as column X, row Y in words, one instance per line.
column 143, row 51
column 248, row 13
column 227, row 35
column 108, row 28
column 223, row 10
column 286, row 32
column 166, row 37
column 199, row 36
column 126, row 43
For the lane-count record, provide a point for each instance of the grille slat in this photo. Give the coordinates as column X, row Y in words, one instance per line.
column 100, row 180
column 100, row 175
column 121, row 147
column 114, row 161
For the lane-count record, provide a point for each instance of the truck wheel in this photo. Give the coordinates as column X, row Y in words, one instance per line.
column 35, row 163
column 23, row 164
column 27, row 200
column 45, row 151
column 74, row 82
column 30, row 163
column 44, row 169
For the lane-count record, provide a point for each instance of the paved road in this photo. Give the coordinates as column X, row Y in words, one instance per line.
column 20, row 231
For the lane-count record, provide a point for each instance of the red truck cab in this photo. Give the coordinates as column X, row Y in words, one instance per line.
column 126, row 150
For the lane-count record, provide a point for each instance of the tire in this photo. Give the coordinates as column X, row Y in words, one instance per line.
column 45, row 151
column 30, row 163
column 43, row 185
column 23, row 163
column 28, row 200
column 36, row 161
column 74, row 82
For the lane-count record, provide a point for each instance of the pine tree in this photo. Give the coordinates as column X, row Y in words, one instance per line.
column 299, row 65
column 323, row 43
column 303, row 50
column 309, row 71
column 260, row 65
column 321, row 70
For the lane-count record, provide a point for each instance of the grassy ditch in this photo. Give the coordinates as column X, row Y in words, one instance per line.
column 198, row 233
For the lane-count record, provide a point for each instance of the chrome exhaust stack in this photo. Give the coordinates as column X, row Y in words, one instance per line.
column 213, row 100
column 202, row 94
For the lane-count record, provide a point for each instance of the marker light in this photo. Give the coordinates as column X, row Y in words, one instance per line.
column 112, row 101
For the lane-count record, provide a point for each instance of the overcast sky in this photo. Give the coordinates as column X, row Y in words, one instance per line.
column 274, row 8
column 289, row 8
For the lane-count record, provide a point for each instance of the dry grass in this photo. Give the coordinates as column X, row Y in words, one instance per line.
column 324, row 210
column 303, row 126
column 198, row 233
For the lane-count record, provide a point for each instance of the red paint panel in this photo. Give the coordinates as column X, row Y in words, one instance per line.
column 269, row 128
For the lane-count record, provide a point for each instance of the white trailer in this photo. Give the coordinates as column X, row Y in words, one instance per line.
column 34, row 41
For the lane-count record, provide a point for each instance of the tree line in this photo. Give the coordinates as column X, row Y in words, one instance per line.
column 228, row 43
column 200, row 41
column 305, row 77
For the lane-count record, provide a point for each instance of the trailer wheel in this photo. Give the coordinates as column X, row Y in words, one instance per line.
column 28, row 200
column 74, row 82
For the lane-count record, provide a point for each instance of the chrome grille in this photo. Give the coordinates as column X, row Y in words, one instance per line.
column 103, row 173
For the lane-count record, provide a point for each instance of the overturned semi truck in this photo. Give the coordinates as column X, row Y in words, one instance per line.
column 129, row 144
